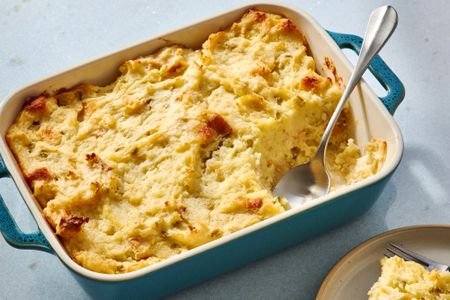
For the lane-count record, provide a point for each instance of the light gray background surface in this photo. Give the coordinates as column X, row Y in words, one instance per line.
column 39, row 38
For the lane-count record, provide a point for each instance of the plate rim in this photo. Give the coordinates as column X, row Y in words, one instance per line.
column 327, row 279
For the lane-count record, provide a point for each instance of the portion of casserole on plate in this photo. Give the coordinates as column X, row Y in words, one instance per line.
column 408, row 280
column 185, row 146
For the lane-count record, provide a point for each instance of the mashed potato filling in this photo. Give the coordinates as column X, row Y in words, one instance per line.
column 184, row 147
column 408, row 280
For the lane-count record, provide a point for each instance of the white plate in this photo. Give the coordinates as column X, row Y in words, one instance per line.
column 359, row 269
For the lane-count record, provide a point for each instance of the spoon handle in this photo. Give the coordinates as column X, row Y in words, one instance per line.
column 381, row 25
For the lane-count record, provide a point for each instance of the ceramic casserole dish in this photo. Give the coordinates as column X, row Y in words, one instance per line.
column 373, row 118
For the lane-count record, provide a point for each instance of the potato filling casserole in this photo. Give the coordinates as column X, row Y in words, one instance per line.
column 402, row 279
column 185, row 146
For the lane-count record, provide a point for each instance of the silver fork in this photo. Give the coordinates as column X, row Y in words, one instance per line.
column 429, row 264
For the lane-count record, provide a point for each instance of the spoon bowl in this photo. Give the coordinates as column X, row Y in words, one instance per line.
column 314, row 178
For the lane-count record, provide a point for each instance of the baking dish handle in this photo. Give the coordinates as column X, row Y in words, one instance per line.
column 387, row 78
column 12, row 233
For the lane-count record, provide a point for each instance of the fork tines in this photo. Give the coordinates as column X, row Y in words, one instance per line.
column 388, row 254
column 408, row 254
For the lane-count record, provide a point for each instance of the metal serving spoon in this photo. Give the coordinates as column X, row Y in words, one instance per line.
column 312, row 180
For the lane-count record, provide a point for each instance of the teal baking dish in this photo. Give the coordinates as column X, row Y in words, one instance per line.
column 373, row 115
